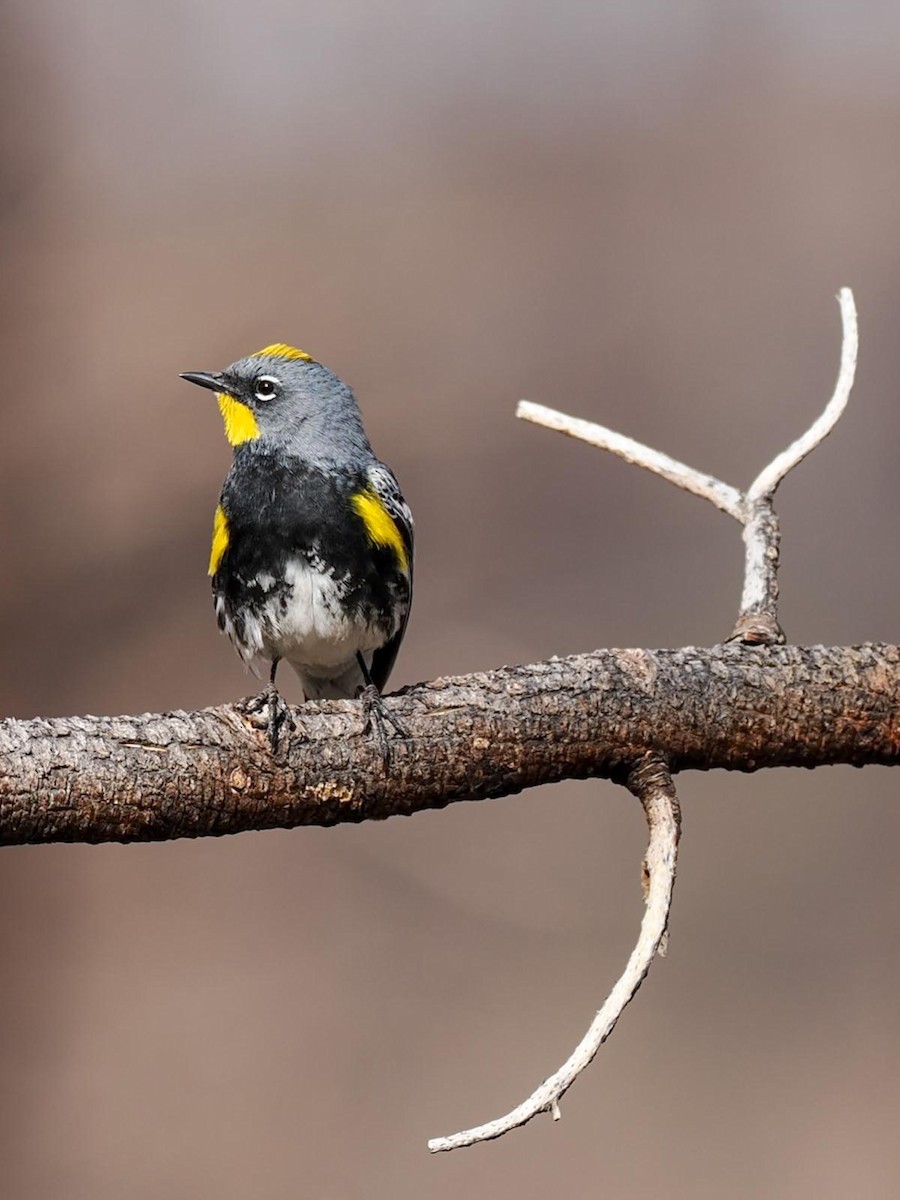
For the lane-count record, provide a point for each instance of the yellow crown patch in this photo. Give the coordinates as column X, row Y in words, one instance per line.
column 280, row 350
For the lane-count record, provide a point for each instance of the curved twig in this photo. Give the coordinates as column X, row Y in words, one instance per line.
column 769, row 477
column 651, row 782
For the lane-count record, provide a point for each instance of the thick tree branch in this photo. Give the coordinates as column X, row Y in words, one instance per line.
column 153, row 777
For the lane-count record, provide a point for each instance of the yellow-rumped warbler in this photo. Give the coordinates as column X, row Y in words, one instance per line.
column 312, row 550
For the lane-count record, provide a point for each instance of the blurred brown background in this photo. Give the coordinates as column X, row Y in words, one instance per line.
column 640, row 213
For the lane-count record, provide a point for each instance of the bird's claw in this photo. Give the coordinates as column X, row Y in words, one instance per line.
column 269, row 711
column 377, row 716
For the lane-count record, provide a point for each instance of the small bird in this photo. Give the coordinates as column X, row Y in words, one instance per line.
column 312, row 549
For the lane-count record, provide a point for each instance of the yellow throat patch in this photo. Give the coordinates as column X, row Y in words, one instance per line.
column 240, row 423
column 380, row 525
column 220, row 540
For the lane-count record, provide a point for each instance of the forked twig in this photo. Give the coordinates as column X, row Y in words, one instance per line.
column 758, row 618
column 651, row 782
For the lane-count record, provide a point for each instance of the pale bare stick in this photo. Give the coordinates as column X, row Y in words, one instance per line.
column 651, row 782
column 722, row 495
column 757, row 621
column 769, row 478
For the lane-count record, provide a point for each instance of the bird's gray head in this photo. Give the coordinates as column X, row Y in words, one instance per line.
column 282, row 397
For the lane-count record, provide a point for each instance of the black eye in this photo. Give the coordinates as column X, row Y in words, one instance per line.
column 266, row 387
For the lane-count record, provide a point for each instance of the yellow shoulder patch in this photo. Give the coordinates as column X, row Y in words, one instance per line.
column 219, row 541
column 240, row 423
column 280, row 350
column 380, row 525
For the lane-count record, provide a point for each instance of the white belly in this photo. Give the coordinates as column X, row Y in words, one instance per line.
column 306, row 624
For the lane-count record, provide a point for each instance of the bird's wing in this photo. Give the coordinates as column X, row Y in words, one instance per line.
column 383, row 483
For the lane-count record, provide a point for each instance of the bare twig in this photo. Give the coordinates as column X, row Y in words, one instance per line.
column 769, row 478
column 758, row 618
column 757, row 622
column 651, row 782
column 722, row 495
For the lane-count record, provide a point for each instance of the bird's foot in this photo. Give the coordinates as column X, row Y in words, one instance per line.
column 269, row 711
column 377, row 717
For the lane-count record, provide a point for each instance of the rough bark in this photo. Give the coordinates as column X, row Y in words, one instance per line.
column 153, row 777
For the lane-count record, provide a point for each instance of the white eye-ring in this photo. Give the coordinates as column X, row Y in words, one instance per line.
column 266, row 387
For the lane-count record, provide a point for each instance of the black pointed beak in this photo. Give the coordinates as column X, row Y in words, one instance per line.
column 205, row 379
